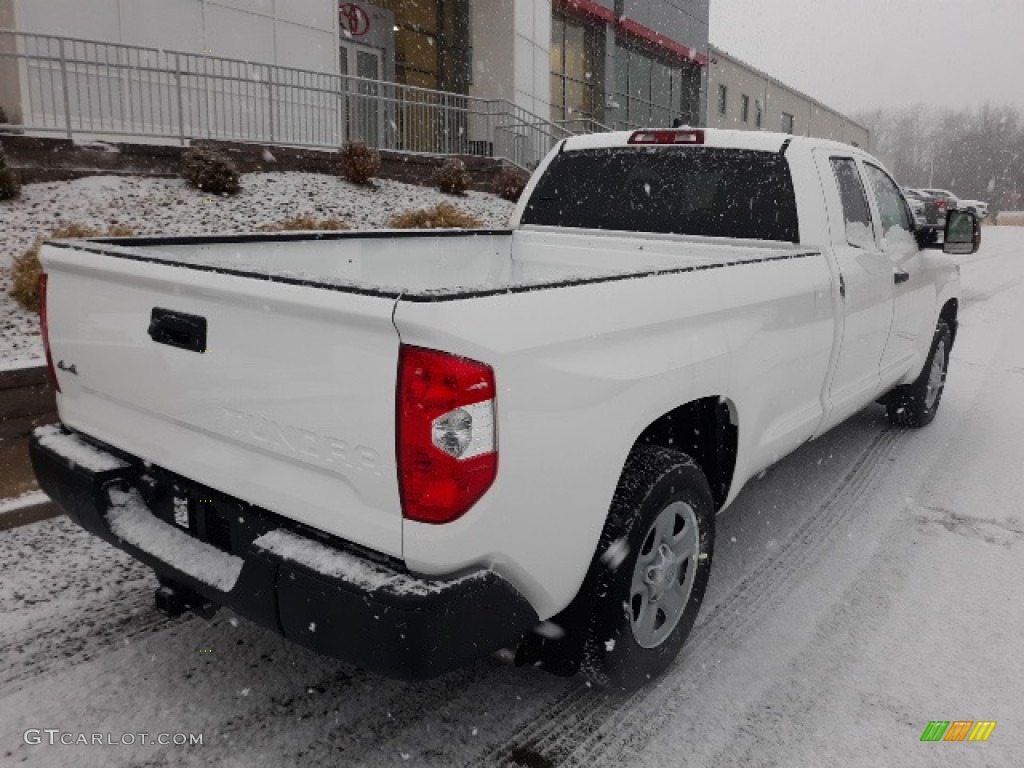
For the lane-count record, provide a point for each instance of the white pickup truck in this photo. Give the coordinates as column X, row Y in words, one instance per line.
column 411, row 450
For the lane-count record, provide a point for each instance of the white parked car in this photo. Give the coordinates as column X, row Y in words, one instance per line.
column 977, row 207
column 412, row 449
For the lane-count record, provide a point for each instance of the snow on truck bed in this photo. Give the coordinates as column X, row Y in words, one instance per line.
column 444, row 263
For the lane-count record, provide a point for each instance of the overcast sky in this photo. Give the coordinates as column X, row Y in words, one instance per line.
column 860, row 54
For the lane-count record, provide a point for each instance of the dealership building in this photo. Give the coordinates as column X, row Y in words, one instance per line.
column 496, row 77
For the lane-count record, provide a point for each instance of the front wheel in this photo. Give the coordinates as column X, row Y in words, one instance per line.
column 914, row 405
column 656, row 559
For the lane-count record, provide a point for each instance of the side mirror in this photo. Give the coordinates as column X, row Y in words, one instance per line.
column 963, row 233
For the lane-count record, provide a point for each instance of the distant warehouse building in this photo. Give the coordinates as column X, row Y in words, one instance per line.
column 740, row 96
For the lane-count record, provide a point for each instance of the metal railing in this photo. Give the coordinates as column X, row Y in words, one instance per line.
column 577, row 125
column 80, row 87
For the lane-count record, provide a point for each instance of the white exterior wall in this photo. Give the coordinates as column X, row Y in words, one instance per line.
column 514, row 67
column 532, row 55
column 494, row 48
column 291, row 33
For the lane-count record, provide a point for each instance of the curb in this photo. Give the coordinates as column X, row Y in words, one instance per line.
column 31, row 513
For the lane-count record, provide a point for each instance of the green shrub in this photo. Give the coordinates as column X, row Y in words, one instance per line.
column 509, row 185
column 210, row 170
column 10, row 185
column 358, row 163
column 452, row 177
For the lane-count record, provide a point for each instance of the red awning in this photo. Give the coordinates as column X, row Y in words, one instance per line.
column 632, row 29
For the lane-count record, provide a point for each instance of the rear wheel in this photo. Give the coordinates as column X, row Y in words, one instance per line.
column 915, row 405
column 657, row 557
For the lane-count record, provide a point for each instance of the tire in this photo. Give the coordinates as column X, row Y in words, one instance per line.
column 915, row 405
column 656, row 557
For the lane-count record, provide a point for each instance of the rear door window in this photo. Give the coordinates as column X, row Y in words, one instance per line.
column 705, row 191
column 860, row 231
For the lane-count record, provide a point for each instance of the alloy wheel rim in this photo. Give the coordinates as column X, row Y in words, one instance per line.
column 663, row 574
column 936, row 376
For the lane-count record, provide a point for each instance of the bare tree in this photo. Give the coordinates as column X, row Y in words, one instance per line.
column 978, row 154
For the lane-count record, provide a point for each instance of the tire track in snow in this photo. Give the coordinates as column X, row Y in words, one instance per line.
column 587, row 727
column 782, row 712
column 88, row 632
column 66, row 598
column 753, row 599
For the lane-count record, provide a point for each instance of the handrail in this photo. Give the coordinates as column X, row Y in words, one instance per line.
column 75, row 87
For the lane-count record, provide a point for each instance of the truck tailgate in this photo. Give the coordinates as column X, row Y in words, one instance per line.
column 290, row 407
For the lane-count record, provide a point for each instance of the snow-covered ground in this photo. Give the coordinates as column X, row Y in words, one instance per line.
column 169, row 206
column 866, row 585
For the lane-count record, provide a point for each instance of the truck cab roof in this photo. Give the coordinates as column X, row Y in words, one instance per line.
column 764, row 141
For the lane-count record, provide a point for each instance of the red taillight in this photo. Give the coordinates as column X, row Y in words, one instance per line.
column 46, row 333
column 674, row 136
column 941, row 203
column 447, row 436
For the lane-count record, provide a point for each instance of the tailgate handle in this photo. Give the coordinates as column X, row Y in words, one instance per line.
column 176, row 329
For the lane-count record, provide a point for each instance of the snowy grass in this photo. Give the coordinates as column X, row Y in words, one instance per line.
column 170, row 207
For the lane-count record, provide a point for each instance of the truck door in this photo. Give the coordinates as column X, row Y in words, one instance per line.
column 866, row 288
column 914, row 291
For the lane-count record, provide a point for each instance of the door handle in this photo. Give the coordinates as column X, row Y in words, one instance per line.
column 899, row 276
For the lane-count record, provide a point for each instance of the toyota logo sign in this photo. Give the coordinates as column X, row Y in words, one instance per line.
column 354, row 19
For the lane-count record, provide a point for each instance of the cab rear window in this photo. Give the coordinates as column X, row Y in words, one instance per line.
column 705, row 191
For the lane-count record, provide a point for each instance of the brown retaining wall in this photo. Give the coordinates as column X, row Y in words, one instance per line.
column 26, row 401
column 38, row 159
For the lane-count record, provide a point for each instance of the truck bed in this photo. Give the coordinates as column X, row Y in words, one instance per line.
column 440, row 265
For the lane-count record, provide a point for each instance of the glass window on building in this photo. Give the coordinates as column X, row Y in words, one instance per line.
column 431, row 43
column 651, row 91
column 575, row 54
column 788, row 122
column 745, row 108
column 723, row 100
column 758, row 114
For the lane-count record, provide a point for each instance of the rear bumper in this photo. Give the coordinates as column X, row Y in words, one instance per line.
column 315, row 591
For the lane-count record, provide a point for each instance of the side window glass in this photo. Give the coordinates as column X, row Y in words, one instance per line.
column 860, row 232
column 896, row 223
